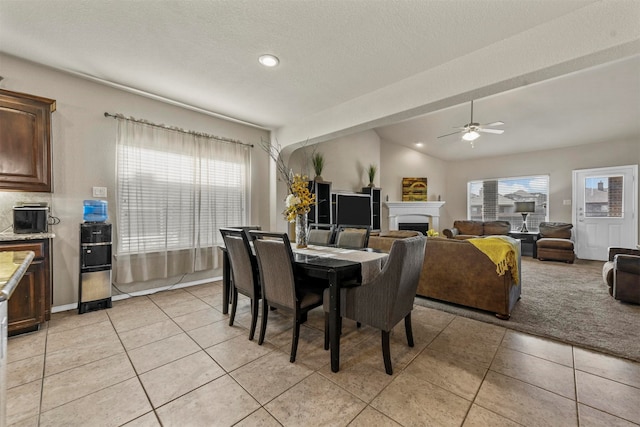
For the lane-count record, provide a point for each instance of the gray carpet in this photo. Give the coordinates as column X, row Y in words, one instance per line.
column 568, row 303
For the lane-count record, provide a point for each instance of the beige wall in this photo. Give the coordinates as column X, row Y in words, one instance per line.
column 559, row 164
column 449, row 179
column 400, row 162
column 84, row 154
column 346, row 160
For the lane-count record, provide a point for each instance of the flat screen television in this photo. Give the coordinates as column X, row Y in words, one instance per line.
column 352, row 209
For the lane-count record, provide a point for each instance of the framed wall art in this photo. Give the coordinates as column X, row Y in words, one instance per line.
column 414, row 189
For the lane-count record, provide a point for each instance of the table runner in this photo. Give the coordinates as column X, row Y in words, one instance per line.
column 371, row 262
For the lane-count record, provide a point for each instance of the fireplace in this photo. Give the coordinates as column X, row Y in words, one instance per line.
column 422, row 227
column 414, row 213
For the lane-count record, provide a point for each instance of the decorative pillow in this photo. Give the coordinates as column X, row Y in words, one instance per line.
column 473, row 228
column 558, row 230
column 496, row 227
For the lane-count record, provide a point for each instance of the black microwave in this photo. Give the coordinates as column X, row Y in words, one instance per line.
column 27, row 219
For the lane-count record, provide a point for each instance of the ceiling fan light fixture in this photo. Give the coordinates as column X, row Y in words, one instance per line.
column 471, row 135
column 269, row 60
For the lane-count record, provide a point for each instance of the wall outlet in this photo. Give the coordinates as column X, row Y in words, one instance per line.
column 566, row 202
column 99, row 191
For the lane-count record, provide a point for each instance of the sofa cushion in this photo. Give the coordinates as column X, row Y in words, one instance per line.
column 496, row 227
column 552, row 243
column 472, row 228
column 560, row 230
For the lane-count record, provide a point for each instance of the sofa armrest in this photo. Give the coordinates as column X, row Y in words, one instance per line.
column 626, row 251
column 627, row 263
column 450, row 232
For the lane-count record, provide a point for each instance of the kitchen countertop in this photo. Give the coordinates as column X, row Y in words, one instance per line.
column 13, row 265
column 28, row 236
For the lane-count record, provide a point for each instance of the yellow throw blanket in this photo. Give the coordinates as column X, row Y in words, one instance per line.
column 501, row 252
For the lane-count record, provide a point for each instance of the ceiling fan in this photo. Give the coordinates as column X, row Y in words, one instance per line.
column 471, row 131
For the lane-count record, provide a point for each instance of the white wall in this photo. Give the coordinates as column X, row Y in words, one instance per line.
column 83, row 148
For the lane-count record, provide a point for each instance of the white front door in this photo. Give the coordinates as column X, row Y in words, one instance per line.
column 605, row 204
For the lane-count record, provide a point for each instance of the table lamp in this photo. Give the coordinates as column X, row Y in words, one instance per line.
column 525, row 208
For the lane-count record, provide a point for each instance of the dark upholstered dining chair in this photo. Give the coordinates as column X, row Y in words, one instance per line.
column 244, row 271
column 352, row 236
column 280, row 287
column 321, row 234
column 388, row 299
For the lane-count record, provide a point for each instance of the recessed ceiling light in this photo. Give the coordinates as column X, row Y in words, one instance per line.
column 269, row 60
column 419, row 144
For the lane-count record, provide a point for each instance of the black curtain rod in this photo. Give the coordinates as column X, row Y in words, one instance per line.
column 177, row 129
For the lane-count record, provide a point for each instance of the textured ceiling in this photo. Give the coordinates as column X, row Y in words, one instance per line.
column 333, row 53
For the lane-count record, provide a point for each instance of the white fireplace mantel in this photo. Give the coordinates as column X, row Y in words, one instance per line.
column 414, row 212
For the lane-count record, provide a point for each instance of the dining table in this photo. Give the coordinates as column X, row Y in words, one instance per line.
column 334, row 265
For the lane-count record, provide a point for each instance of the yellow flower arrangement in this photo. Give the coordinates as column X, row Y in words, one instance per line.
column 432, row 233
column 300, row 200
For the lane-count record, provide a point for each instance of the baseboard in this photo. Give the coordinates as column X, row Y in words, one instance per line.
column 74, row 306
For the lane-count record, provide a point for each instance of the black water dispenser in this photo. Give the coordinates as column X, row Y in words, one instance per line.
column 95, row 266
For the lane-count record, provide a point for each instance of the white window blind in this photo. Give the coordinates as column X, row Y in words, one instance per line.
column 162, row 205
column 495, row 199
column 175, row 190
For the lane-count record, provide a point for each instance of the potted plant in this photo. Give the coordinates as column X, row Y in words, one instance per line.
column 317, row 160
column 371, row 171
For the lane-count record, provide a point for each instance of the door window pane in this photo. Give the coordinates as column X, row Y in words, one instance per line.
column 603, row 196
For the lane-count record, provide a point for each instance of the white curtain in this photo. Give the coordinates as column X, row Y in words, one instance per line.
column 175, row 190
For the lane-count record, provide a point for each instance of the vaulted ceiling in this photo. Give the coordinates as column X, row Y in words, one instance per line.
column 557, row 73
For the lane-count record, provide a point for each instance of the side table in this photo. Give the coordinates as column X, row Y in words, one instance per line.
column 528, row 241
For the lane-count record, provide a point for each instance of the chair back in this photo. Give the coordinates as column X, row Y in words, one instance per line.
column 246, row 229
column 275, row 263
column 395, row 286
column 353, row 236
column 321, row 234
column 244, row 267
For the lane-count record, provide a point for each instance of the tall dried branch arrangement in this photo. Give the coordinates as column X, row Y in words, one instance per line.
column 274, row 151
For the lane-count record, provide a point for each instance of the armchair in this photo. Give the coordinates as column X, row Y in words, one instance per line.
column 555, row 242
column 622, row 274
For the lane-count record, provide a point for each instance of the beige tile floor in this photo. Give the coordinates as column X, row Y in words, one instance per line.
column 171, row 359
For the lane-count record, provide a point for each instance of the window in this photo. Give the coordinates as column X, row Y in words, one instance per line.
column 603, row 197
column 496, row 199
column 176, row 189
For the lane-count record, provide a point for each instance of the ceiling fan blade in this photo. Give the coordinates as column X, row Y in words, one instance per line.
column 498, row 123
column 449, row 134
column 496, row 131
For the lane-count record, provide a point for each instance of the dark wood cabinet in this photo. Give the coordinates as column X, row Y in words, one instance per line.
column 25, row 142
column 375, row 193
column 528, row 242
column 30, row 304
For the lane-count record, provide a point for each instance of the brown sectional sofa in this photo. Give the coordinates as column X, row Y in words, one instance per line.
column 466, row 229
column 622, row 274
column 456, row 271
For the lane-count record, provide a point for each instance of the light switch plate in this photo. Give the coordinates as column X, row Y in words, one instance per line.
column 99, row 191
column 566, row 202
